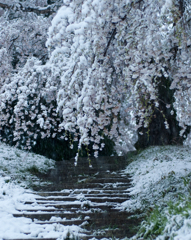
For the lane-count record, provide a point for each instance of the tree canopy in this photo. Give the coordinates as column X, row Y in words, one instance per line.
column 94, row 68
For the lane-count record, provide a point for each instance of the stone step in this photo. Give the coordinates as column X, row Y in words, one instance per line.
column 97, row 199
column 85, row 208
column 102, row 191
column 52, row 193
column 56, row 199
column 77, row 222
column 116, row 195
column 72, row 173
column 101, row 186
column 104, row 180
column 84, row 205
column 106, row 199
column 87, row 191
column 92, row 185
column 45, row 216
column 76, row 204
column 69, row 212
column 50, row 196
column 39, row 210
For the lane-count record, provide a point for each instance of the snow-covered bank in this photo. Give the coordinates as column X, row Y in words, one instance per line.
column 18, row 166
column 161, row 178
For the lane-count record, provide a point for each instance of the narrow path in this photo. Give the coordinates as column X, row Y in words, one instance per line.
column 86, row 197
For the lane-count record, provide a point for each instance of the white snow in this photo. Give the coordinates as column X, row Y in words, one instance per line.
column 166, row 6
column 160, row 175
column 15, row 177
column 40, row 121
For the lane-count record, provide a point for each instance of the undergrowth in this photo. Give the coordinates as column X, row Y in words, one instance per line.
column 163, row 223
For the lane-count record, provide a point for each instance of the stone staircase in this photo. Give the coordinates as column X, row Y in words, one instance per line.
column 85, row 197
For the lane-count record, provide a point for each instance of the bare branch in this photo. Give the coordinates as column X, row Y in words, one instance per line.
column 109, row 42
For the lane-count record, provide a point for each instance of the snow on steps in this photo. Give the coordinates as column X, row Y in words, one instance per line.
column 88, row 202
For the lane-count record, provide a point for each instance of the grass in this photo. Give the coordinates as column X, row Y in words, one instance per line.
column 33, row 170
column 164, row 222
column 153, row 225
column 70, row 236
column 18, row 154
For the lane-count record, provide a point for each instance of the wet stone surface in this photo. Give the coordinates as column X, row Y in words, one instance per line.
column 87, row 197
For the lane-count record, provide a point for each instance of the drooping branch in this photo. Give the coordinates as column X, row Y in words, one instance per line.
column 49, row 10
column 109, row 42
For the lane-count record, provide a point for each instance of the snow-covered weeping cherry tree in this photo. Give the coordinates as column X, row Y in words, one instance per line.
column 83, row 48
column 110, row 57
column 106, row 61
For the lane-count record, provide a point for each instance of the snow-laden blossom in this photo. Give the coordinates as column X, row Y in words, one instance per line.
column 106, row 62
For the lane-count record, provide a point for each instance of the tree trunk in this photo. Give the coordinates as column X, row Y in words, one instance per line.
column 157, row 133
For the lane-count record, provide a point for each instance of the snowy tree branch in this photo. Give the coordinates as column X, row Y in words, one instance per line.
column 49, row 10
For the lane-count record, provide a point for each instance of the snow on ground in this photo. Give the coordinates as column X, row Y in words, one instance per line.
column 16, row 168
column 19, row 166
column 160, row 176
column 161, row 182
